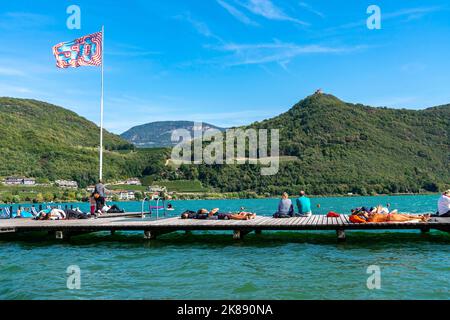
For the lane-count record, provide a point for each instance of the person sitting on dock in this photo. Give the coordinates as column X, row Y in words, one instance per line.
column 285, row 207
column 304, row 205
column 444, row 205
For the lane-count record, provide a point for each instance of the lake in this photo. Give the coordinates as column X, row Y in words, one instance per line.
column 211, row 265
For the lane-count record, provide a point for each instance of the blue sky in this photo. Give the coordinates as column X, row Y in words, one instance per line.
column 227, row 62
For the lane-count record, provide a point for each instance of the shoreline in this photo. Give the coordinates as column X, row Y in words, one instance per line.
column 221, row 196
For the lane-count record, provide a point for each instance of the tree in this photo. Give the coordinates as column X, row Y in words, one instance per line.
column 39, row 198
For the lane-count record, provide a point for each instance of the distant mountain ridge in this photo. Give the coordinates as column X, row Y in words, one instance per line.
column 158, row 134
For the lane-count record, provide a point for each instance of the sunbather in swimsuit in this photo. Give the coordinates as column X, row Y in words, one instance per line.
column 57, row 214
column 396, row 217
column 377, row 215
column 215, row 214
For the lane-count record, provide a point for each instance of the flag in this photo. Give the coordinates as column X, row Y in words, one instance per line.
column 84, row 51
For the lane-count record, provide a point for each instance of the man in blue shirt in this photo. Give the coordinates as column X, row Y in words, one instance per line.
column 304, row 205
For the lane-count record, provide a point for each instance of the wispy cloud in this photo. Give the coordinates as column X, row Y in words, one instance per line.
column 12, row 90
column 278, row 52
column 396, row 101
column 311, row 9
column 266, row 9
column 412, row 13
column 239, row 15
column 127, row 50
column 23, row 20
column 231, row 119
column 408, row 14
column 4, row 71
column 201, row 27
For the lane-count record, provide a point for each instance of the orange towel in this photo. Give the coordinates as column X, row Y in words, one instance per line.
column 355, row 219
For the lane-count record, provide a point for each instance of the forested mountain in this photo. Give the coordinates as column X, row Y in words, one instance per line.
column 344, row 147
column 333, row 147
column 158, row 134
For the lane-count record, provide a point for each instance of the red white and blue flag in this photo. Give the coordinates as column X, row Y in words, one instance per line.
column 84, row 51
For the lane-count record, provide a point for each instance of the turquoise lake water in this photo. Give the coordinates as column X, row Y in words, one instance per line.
column 210, row 265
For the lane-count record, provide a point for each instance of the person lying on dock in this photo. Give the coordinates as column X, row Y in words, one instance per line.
column 112, row 209
column 58, row 214
column 242, row 215
column 214, row 214
column 199, row 214
column 377, row 215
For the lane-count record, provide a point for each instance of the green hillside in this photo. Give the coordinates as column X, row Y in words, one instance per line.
column 343, row 147
column 45, row 141
column 327, row 146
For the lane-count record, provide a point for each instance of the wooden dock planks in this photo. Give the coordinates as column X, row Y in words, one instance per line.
column 131, row 222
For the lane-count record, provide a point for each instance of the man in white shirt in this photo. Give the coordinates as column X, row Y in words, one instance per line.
column 444, row 204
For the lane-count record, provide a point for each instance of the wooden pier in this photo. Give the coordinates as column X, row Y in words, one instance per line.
column 64, row 229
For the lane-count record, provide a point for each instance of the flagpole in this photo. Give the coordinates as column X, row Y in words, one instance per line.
column 101, row 109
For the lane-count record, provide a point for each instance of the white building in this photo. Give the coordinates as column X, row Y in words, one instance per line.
column 11, row 181
column 29, row 181
column 122, row 195
column 157, row 189
column 133, row 182
column 67, row 184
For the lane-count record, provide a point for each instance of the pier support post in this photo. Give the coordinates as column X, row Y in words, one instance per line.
column 258, row 231
column 113, row 232
column 149, row 235
column 152, row 234
column 188, row 232
column 340, row 234
column 61, row 235
column 239, row 234
column 424, row 230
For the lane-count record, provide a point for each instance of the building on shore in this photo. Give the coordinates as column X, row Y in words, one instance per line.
column 15, row 181
column 67, row 184
column 157, row 189
column 122, row 195
column 133, row 182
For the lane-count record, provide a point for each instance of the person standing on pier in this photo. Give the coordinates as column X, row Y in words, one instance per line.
column 304, row 205
column 100, row 195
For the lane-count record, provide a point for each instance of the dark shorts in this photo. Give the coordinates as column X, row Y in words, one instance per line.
column 445, row 215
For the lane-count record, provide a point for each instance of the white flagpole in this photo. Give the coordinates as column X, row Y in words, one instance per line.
column 101, row 109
